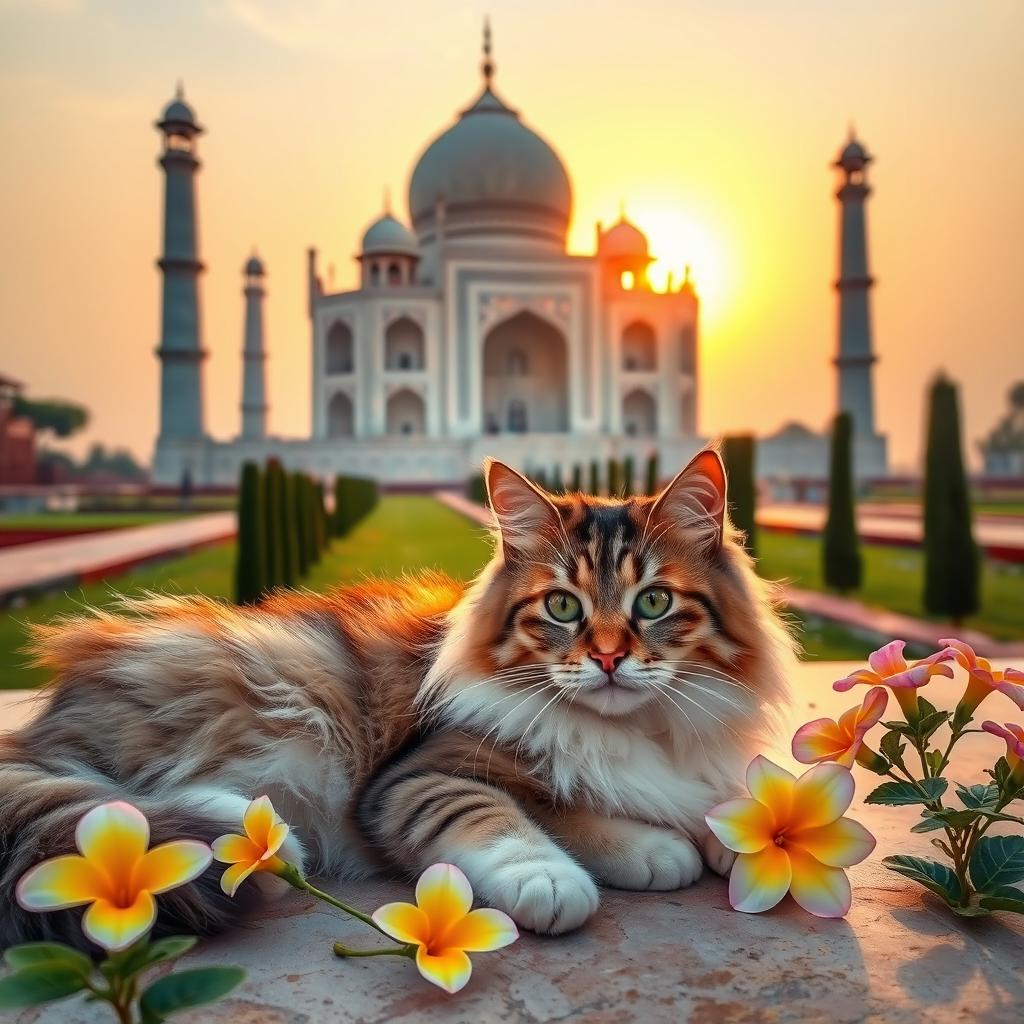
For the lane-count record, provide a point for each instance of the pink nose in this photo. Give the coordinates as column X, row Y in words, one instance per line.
column 608, row 660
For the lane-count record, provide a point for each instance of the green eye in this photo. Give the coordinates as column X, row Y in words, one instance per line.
column 563, row 606
column 653, row 603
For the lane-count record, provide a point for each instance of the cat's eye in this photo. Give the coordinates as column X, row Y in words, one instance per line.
column 563, row 606
column 653, row 602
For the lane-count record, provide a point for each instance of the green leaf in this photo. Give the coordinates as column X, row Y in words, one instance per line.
column 1004, row 898
column 996, row 862
column 145, row 954
column 40, row 983
column 892, row 748
column 1002, row 772
column 969, row 911
column 978, row 796
column 930, row 723
column 896, row 794
column 929, row 824
column 899, row 727
column 928, row 873
column 956, row 818
column 933, row 758
column 31, row 953
column 186, row 989
column 925, row 708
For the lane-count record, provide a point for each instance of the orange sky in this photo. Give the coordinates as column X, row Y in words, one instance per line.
column 715, row 120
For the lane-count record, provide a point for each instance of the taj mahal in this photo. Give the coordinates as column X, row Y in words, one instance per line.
column 473, row 331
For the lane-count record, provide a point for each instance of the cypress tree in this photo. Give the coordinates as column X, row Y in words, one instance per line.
column 840, row 552
column 274, row 505
column 614, row 479
column 952, row 565
column 251, row 551
column 595, row 477
column 314, row 542
column 297, row 496
column 476, row 489
column 289, row 532
column 557, row 483
column 738, row 456
column 322, row 538
column 652, row 474
column 628, row 476
column 340, row 520
column 577, row 477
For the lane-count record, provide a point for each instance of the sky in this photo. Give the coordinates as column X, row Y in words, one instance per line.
column 715, row 121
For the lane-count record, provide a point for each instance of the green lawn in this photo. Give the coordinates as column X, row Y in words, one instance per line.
column 403, row 533
column 892, row 579
column 82, row 520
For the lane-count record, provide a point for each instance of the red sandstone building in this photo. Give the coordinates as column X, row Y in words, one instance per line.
column 17, row 438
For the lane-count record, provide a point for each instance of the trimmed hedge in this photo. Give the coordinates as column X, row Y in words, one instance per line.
column 355, row 497
column 251, row 556
column 738, row 456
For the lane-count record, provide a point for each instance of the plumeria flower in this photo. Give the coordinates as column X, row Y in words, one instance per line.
column 842, row 741
column 256, row 850
column 115, row 873
column 983, row 679
column 889, row 668
column 443, row 928
column 791, row 837
column 1014, row 736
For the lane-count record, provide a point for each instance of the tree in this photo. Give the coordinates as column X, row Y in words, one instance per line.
column 297, row 498
column 738, row 456
column 840, row 552
column 291, row 565
column 62, row 418
column 614, row 479
column 595, row 477
column 274, row 503
column 952, row 566
column 577, row 477
column 653, row 474
column 557, row 483
column 628, row 475
column 251, row 553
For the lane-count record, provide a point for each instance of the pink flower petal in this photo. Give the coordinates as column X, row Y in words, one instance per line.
column 862, row 676
column 759, row 880
column 821, row 890
column 742, row 825
column 839, row 844
column 889, row 660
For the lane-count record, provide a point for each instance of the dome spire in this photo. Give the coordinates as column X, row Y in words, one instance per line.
column 488, row 64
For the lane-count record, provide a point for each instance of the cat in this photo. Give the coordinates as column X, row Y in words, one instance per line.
column 563, row 721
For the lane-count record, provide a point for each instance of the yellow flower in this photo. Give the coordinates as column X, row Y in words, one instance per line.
column 256, row 850
column 443, row 928
column 791, row 836
column 843, row 741
column 116, row 874
column 983, row 679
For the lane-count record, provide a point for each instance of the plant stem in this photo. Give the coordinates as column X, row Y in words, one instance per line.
column 340, row 949
column 292, row 877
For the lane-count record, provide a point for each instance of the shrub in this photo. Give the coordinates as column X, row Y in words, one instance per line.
column 840, row 551
column 628, row 476
column 652, row 475
column 738, row 456
column 476, row 489
column 595, row 477
column 274, row 505
column 291, row 564
column 251, row 552
column 557, row 483
column 951, row 562
column 577, row 477
column 614, row 479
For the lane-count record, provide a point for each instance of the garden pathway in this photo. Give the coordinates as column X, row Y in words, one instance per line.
column 655, row 958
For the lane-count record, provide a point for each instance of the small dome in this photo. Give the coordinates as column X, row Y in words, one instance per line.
column 254, row 266
column 179, row 113
column 623, row 240
column 389, row 236
column 853, row 155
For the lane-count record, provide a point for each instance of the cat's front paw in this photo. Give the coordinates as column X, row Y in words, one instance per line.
column 717, row 856
column 542, row 890
column 651, row 859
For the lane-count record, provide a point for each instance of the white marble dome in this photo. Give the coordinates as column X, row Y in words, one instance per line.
column 623, row 239
column 388, row 236
column 494, row 174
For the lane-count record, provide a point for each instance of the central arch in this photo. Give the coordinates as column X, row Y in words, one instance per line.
column 525, row 377
column 406, row 414
column 403, row 345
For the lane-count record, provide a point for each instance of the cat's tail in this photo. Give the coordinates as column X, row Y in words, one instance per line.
column 40, row 805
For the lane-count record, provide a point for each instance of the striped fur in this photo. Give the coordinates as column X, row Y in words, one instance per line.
column 396, row 724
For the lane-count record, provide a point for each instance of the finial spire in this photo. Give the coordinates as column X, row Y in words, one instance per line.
column 387, row 200
column 851, row 130
column 488, row 64
column 179, row 91
column 622, row 209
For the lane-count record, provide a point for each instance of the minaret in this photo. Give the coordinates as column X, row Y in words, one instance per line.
column 181, row 351
column 855, row 354
column 254, row 394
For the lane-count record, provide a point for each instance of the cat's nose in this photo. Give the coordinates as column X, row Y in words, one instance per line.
column 608, row 660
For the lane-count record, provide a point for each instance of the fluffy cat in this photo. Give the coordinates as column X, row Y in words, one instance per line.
column 563, row 721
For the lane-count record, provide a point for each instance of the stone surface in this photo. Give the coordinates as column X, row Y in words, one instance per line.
column 899, row 957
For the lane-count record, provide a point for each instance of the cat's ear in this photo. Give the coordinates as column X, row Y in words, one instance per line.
column 523, row 512
column 695, row 500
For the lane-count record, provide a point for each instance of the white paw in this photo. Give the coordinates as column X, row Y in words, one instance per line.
column 655, row 859
column 717, row 857
column 541, row 888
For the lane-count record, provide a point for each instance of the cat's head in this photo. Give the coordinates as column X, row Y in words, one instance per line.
column 607, row 606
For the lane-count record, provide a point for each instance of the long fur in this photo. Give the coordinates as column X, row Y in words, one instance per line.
column 399, row 723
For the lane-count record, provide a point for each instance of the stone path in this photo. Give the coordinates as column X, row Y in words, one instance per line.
column 873, row 622
column 69, row 561
column 1000, row 536
column 654, row 958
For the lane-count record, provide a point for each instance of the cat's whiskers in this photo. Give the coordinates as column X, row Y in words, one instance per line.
column 533, row 692
column 700, row 707
column 693, row 728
